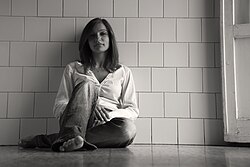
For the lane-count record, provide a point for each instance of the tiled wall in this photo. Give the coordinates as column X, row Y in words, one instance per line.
column 172, row 47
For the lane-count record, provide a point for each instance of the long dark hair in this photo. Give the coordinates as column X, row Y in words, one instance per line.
column 112, row 60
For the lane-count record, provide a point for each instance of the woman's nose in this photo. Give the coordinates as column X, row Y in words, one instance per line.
column 98, row 37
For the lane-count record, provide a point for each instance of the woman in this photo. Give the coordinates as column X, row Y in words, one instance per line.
column 96, row 101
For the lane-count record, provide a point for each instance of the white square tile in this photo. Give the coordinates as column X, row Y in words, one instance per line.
column 201, row 8
column 12, row 79
column 23, row 54
column 164, row 131
column 211, row 30
column 164, row 79
column 20, row 105
column 191, row 131
column 217, row 53
column 70, row 53
column 53, row 126
column 37, row 29
column 49, row 7
column 62, row 29
column 143, row 126
column 76, row 8
column 151, row 105
column 24, row 8
column 175, row 54
column 48, row 54
column 142, row 78
column 11, row 28
column 212, row 80
column 55, row 76
column 44, row 103
column 128, row 53
column 201, row 54
column 219, row 107
column 150, row 8
column 214, row 132
column 32, row 127
column 5, row 7
column 118, row 26
column 163, row 30
column 10, row 136
column 138, row 29
column 35, row 79
column 177, row 105
column 80, row 24
column 203, row 105
column 5, row 54
column 128, row 8
column 189, row 80
column 170, row 7
column 151, row 54
column 3, row 104
column 103, row 8
column 188, row 30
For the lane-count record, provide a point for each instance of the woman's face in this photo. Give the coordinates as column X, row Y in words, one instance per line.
column 99, row 39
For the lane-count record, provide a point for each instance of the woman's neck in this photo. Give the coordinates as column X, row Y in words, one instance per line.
column 99, row 59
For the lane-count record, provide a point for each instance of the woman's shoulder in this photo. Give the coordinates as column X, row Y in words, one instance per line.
column 125, row 68
column 75, row 65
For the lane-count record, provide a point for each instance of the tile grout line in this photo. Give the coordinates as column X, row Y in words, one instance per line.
column 7, row 107
column 177, row 131
column 151, row 123
column 11, row 10
column 204, row 131
column 216, row 108
column 34, row 103
column 46, row 127
column 138, row 7
column 24, row 28
column 113, row 8
column 163, row 8
column 37, row 8
column 176, row 80
column 190, row 105
column 164, row 104
column 9, row 43
column 20, row 124
column 22, row 80
column 62, row 7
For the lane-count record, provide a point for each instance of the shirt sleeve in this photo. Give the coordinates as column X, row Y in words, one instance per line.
column 64, row 92
column 129, row 107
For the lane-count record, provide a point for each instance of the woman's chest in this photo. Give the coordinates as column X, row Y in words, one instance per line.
column 108, row 84
column 101, row 75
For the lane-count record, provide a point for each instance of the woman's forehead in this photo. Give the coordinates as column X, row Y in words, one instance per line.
column 99, row 27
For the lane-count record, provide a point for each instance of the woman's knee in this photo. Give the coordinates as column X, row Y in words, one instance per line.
column 85, row 88
column 127, row 128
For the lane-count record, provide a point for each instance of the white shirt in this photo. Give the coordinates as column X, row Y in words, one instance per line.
column 116, row 92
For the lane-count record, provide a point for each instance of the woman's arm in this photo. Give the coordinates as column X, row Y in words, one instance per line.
column 129, row 108
column 64, row 92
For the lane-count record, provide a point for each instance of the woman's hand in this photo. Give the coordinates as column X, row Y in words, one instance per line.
column 102, row 113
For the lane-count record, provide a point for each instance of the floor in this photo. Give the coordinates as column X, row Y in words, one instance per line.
column 134, row 156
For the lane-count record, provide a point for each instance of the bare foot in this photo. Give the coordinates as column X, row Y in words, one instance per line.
column 72, row 144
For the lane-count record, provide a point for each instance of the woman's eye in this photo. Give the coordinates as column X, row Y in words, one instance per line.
column 104, row 33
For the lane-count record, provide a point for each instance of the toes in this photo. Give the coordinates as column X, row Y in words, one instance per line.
column 72, row 144
column 61, row 148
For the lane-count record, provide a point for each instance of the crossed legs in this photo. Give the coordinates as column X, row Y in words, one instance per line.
column 75, row 133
